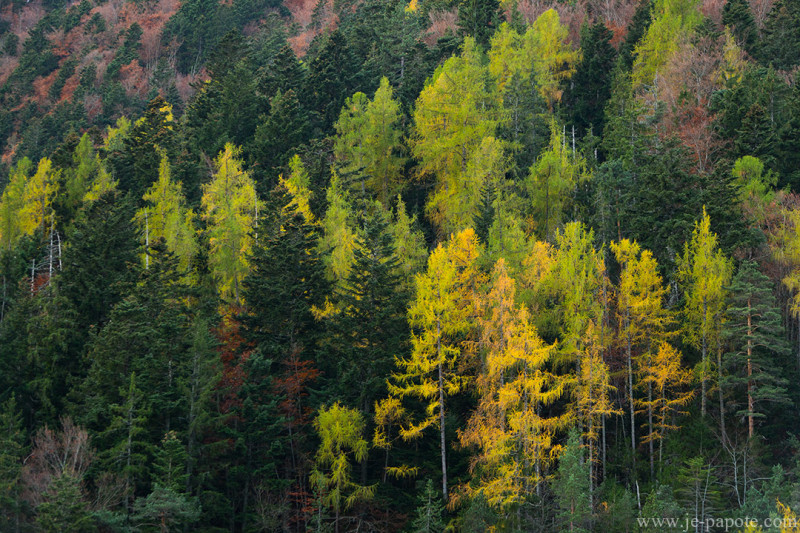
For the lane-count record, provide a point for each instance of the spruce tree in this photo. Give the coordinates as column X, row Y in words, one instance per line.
column 371, row 327
column 12, row 450
column 479, row 19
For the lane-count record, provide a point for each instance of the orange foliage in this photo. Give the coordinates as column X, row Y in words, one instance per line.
column 133, row 79
column 69, row 88
column 233, row 357
column 442, row 23
column 41, row 87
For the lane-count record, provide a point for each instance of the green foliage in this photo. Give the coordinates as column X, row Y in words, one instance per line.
column 65, row 509
column 571, row 487
column 430, row 510
column 758, row 344
column 12, row 449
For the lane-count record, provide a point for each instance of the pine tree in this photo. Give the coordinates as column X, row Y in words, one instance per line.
column 479, row 19
column 127, row 450
column 758, row 340
column 590, row 87
column 737, row 17
column 280, row 132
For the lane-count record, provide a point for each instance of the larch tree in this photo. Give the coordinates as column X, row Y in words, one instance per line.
column 298, row 187
column 40, row 193
column 368, row 141
column 513, row 439
column 453, row 114
column 554, row 60
column 673, row 21
column 705, row 273
column 341, row 433
column 438, row 317
column 11, row 204
column 165, row 216
column 669, row 386
column 643, row 321
column 230, row 209
column 339, row 238
column 552, row 183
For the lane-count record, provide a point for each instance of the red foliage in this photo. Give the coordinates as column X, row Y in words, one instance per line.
column 69, row 88
column 41, row 87
column 133, row 79
column 572, row 15
column 233, row 355
column 292, row 384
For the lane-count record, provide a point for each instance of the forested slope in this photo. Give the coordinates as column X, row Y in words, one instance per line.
column 368, row 265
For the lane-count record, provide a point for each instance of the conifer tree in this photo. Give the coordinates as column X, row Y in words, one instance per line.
column 571, row 487
column 705, row 273
column 552, row 182
column 40, row 194
column 368, row 141
column 127, row 450
column 757, row 338
column 429, row 511
column 453, row 114
column 230, row 209
column 643, row 321
column 371, row 327
column 12, row 203
column 513, row 438
column 479, row 19
column 341, row 435
column 438, row 316
column 668, row 386
column 339, row 240
column 165, row 216
column 12, row 449
column 553, row 58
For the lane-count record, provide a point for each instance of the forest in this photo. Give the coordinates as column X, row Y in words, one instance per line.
column 399, row 266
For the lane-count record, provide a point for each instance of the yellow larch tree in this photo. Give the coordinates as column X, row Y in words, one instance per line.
column 165, row 216
column 230, row 209
column 298, row 186
column 40, row 192
column 439, row 318
column 705, row 273
column 455, row 111
column 669, row 390
column 514, row 441
column 12, row 202
column 642, row 318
